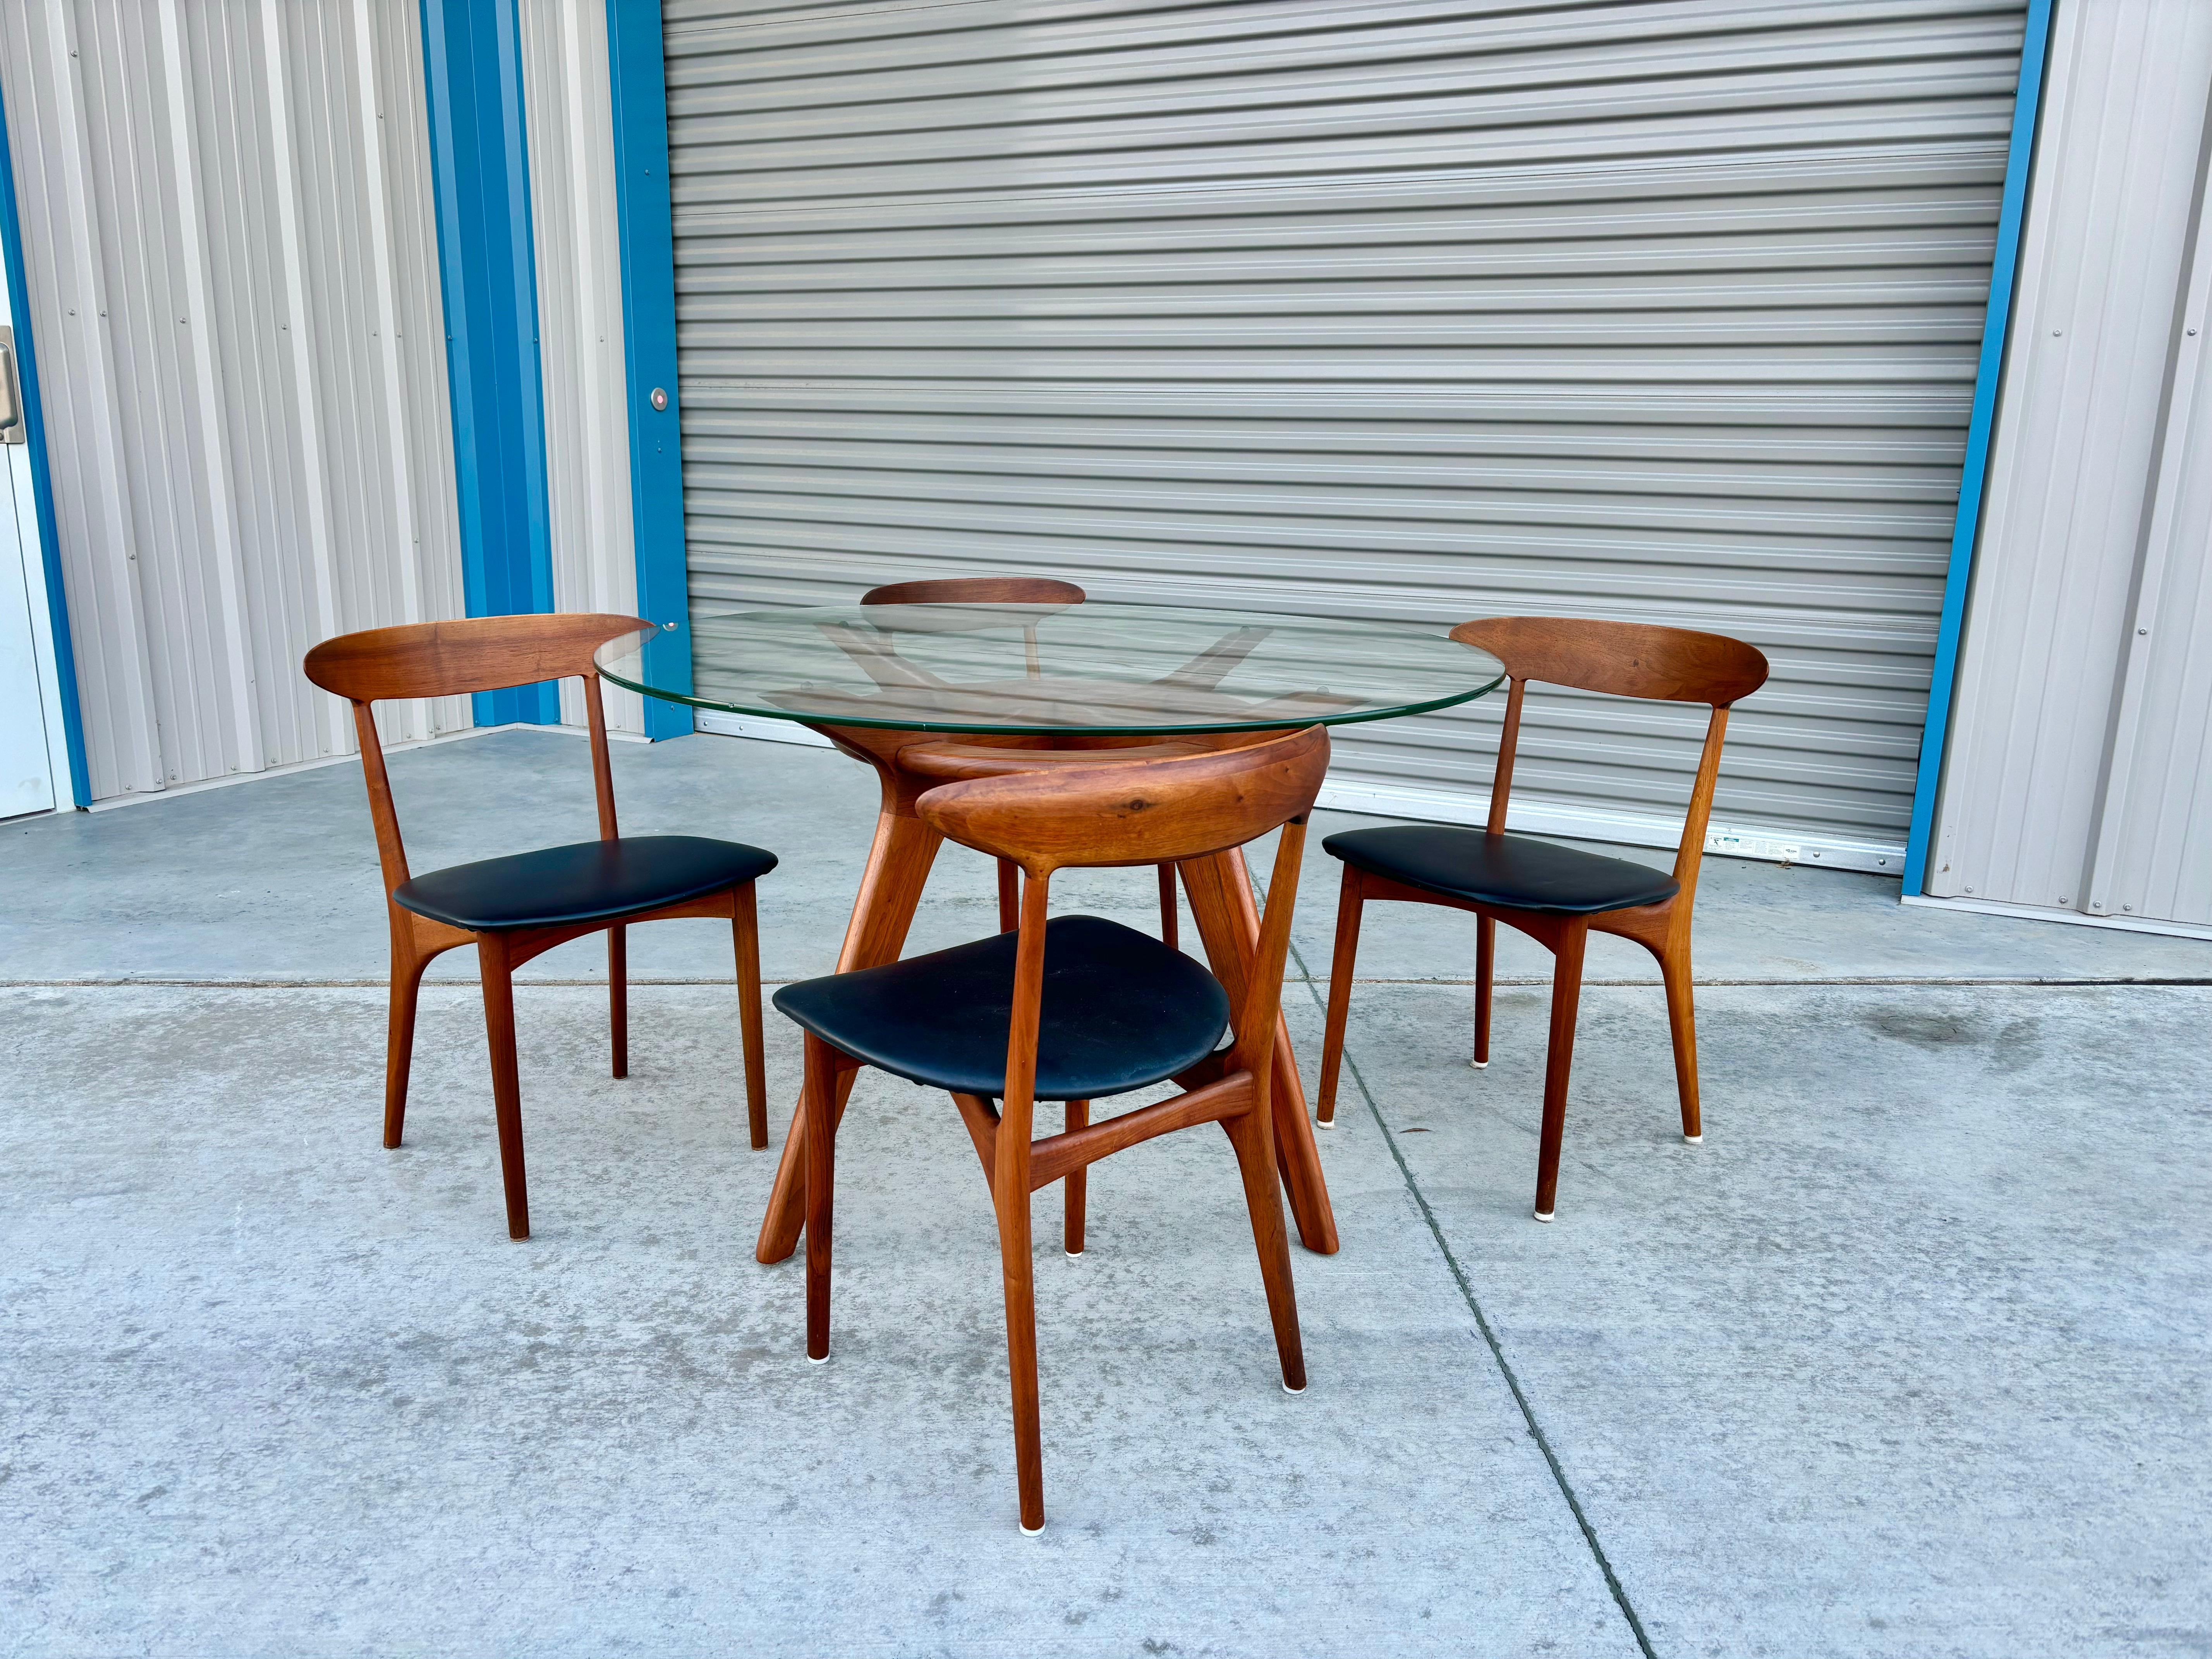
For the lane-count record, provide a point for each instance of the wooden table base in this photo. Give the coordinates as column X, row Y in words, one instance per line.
column 1221, row 902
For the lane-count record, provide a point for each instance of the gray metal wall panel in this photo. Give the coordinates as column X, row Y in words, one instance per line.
column 1404, row 310
column 2074, row 778
column 401, row 247
column 2151, row 856
column 226, row 210
column 568, row 111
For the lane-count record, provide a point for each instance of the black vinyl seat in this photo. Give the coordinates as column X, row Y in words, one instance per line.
column 1120, row 1009
column 1515, row 872
column 587, row 881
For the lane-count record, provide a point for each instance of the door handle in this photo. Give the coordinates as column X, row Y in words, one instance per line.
column 12, row 427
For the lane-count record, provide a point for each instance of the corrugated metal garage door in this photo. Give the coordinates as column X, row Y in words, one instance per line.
column 1417, row 311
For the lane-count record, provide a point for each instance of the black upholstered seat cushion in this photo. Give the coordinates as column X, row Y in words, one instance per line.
column 1120, row 1010
column 1513, row 871
column 588, row 881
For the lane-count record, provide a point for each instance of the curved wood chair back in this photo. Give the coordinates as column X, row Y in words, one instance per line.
column 977, row 590
column 1158, row 811
column 1622, row 660
column 451, row 659
column 1041, row 595
column 1129, row 812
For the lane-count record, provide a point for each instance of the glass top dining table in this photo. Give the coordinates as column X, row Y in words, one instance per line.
column 1091, row 668
column 929, row 693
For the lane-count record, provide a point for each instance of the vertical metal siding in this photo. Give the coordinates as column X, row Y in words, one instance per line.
column 570, row 119
column 1416, row 310
column 2075, row 777
column 225, row 212
column 415, row 447
column 2151, row 858
column 51, row 146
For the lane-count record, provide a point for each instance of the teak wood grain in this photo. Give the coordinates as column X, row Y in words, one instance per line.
column 977, row 590
column 486, row 653
column 1181, row 809
column 1630, row 660
column 1128, row 812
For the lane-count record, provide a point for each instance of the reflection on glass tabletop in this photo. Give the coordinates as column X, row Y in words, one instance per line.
column 1089, row 667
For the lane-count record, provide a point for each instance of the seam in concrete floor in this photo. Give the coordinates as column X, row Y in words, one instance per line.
column 1413, row 1187
column 1313, row 982
column 1490, row 1337
column 1303, row 977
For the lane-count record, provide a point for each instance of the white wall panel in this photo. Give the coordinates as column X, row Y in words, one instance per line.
column 570, row 121
column 1419, row 310
column 232, row 275
column 2151, row 858
column 2075, row 780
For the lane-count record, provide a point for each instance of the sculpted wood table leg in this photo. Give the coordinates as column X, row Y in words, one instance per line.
column 891, row 887
column 1229, row 924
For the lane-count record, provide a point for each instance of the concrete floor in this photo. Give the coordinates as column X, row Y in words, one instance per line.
column 1910, row 1357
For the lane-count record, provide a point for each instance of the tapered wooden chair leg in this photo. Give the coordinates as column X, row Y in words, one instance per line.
column 1021, row 1353
column 746, row 928
column 1559, row 1059
column 1168, row 929
column 1263, row 1197
column 1010, row 895
column 1077, row 1184
column 1350, row 902
column 1485, row 969
column 506, row 1083
column 1682, row 1023
column 618, row 996
column 785, row 1221
column 399, row 1042
column 816, row 1101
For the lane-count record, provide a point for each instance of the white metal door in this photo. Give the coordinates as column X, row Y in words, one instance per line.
column 26, row 780
column 27, row 768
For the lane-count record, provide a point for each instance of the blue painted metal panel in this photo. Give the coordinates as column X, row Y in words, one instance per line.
column 42, row 489
column 2027, row 106
column 648, row 281
column 480, row 174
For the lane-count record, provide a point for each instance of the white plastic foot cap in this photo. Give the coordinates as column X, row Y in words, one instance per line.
column 1287, row 1388
column 1072, row 1255
column 811, row 1360
column 1324, row 1123
column 1479, row 1065
column 1031, row 1531
column 1693, row 1141
column 1541, row 1215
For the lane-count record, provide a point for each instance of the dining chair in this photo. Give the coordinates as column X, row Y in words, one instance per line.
column 1556, row 894
column 1123, row 1011
column 515, row 907
column 1012, row 590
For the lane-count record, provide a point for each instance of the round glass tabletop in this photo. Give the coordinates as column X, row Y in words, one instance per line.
column 1091, row 667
